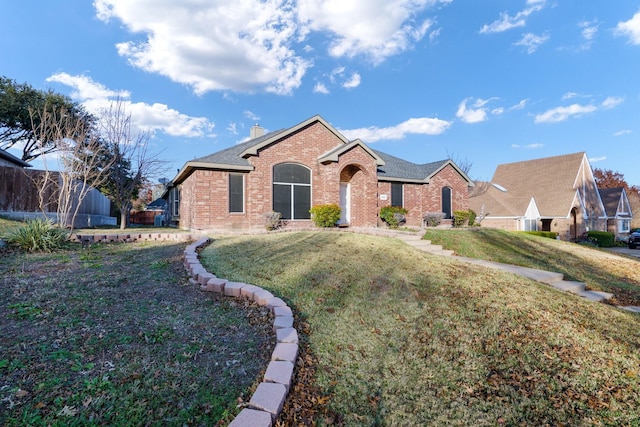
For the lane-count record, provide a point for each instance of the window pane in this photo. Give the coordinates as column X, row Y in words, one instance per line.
column 292, row 173
column 446, row 202
column 396, row 195
column 282, row 200
column 302, row 202
column 236, row 193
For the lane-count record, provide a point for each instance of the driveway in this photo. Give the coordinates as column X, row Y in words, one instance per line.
column 626, row 251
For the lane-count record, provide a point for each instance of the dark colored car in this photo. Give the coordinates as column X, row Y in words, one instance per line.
column 634, row 238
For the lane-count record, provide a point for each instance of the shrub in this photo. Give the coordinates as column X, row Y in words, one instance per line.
column 326, row 215
column 472, row 218
column 548, row 234
column 38, row 235
column 433, row 219
column 604, row 239
column 393, row 215
column 460, row 218
column 272, row 220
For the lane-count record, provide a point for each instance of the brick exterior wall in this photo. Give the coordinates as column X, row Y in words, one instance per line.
column 204, row 203
column 422, row 198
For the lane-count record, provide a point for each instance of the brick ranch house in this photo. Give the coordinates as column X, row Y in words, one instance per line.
column 290, row 170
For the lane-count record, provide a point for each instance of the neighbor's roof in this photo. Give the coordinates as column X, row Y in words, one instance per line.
column 611, row 199
column 13, row 159
column 551, row 181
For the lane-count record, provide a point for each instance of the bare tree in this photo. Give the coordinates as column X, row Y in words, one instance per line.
column 80, row 156
column 131, row 162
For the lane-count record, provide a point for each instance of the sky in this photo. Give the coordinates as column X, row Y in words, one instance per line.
column 481, row 82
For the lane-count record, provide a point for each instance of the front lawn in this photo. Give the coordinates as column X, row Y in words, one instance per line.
column 115, row 335
column 402, row 337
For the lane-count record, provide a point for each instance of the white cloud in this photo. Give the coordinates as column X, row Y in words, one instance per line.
column 589, row 29
column 232, row 128
column 497, row 111
column 532, row 41
column 258, row 45
column 507, row 22
column 560, row 114
column 320, row 88
column 354, row 81
column 597, row 159
column 520, row 105
column 213, row 45
column 611, row 102
column 630, row 28
column 476, row 113
column 95, row 97
column 375, row 29
column 85, row 88
column 528, row 146
column 622, row 132
column 251, row 115
column 419, row 126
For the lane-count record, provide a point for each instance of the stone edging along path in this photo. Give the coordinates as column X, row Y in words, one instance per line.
column 267, row 401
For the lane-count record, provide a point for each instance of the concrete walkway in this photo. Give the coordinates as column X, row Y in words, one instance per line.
column 550, row 278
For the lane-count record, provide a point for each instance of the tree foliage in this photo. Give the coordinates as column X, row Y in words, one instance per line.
column 21, row 108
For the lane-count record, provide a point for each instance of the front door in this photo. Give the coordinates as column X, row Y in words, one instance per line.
column 345, row 203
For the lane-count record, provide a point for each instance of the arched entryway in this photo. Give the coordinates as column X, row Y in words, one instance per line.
column 347, row 177
column 573, row 227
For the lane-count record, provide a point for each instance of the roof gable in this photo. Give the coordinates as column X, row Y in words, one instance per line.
column 552, row 181
column 334, row 154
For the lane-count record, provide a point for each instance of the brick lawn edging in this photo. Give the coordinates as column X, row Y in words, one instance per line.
column 88, row 239
column 267, row 401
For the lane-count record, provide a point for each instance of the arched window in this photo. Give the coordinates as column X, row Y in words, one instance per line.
column 292, row 191
column 446, row 202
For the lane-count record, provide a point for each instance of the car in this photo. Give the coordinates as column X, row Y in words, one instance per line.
column 634, row 238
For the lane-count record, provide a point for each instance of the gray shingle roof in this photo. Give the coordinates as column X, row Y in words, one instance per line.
column 611, row 198
column 397, row 168
column 231, row 156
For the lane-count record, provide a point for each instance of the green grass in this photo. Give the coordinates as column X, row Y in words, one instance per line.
column 115, row 335
column 599, row 269
column 406, row 338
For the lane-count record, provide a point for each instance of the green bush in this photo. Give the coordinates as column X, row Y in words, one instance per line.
column 461, row 218
column 326, row 215
column 472, row 217
column 604, row 239
column 38, row 235
column 393, row 215
column 548, row 234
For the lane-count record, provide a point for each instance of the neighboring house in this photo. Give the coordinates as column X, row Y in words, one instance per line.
column 9, row 160
column 556, row 194
column 290, row 170
column 618, row 210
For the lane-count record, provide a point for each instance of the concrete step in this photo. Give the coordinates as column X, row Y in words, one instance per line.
column 418, row 242
column 569, row 286
column 633, row 308
column 596, row 296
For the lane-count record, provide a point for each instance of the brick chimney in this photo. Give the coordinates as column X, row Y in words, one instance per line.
column 256, row 131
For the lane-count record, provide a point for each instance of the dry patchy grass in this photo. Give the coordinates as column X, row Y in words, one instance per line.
column 393, row 336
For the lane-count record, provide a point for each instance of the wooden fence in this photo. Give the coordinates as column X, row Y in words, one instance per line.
column 19, row 194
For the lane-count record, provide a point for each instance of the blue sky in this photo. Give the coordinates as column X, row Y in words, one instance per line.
column 484, row 82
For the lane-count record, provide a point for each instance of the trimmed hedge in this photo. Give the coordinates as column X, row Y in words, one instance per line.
column 604, row 239
column 325, row 215
column 548, row 234
column 393, row 215
column 461, row 218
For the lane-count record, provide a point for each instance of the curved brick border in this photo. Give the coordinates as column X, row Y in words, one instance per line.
column 266, row 403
